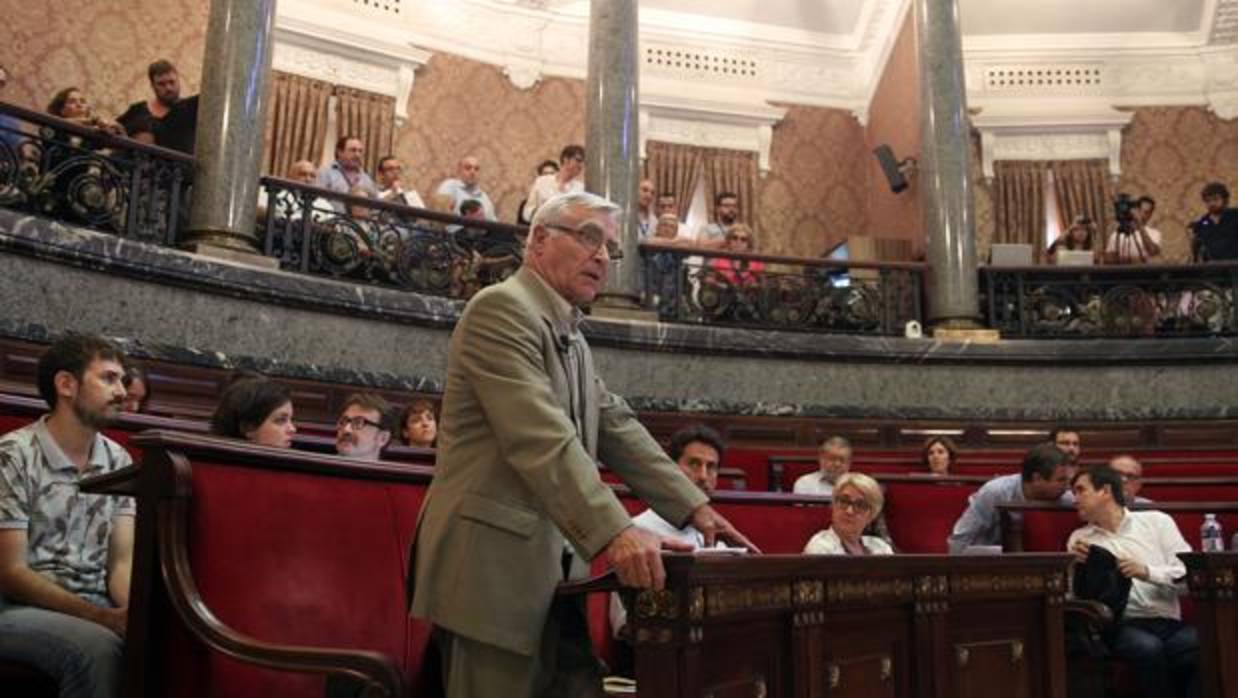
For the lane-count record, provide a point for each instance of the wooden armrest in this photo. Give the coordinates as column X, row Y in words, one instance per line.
column 1093, row 613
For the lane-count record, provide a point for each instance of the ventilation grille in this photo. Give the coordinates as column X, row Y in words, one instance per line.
column 1225, row 23
column 1042, row 78
column 392, row 6
column 698, row 63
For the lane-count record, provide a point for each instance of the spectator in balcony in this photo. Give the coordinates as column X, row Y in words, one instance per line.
column 288, row 203
column 738, row 272
column 257, row 410
column 1141, row 244
column 569, row 178
column 1080, row 236
column 1067, row 440
column 1131, row 472
column 833, row 461
column 1215, row 234
column 938, row 455
column 698, row 451
column 12, row 131
column 1045, row 477
column 465, row 186
column 857, row 503
column 137, row 388
column 364, row 427
column 546, row 167
column 646, row 213
column 726, row 213
column 172, row 120
column 668, row 204
column 347, row 172
column 419, row 424
column 391, row 184
column 71, row 104
column 66, row 556
column 1161, row 650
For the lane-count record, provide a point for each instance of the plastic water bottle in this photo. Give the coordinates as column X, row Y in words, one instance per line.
column 1211, row 539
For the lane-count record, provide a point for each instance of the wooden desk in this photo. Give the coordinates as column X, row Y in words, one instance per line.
column 1211, row 577
column 930, row 626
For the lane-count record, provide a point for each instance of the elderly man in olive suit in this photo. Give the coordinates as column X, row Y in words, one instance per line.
column 517, row 505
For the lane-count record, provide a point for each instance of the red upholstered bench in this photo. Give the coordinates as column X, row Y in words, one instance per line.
column 920, row 510
column 267, row 569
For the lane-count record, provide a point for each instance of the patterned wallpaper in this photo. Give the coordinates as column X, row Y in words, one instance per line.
column 101, row 47
column 814, row 194
column 894, row 119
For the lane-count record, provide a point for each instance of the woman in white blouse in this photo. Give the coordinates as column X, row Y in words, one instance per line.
column 857, row 502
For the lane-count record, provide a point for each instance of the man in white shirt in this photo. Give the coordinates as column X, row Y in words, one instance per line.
column 698, row 451
column 646, row 216
column 569, row 178
column 1160, row 649
column 833, row 460
column 391, row 184
column 1140, row 245
column 464, row 186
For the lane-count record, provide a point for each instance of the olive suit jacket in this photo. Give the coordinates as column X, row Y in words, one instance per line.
column 515, row 477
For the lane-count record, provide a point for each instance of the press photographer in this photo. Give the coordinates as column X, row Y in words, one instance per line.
column 1133, row 241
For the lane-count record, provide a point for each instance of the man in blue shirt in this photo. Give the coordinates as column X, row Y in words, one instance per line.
column 1045, row 477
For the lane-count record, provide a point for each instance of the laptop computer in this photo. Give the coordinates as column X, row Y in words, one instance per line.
column 1010, row 255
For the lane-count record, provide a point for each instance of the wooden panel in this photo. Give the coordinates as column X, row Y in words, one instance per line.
column 984, row 665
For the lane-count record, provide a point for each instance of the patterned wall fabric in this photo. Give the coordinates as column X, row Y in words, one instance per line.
column 894, row 119
column 101, row 47
column 815, row 193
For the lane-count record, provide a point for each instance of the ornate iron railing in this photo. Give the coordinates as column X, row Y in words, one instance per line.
column 85, row 176
column 786, row 293
column 316, row 231
column 1118, row 301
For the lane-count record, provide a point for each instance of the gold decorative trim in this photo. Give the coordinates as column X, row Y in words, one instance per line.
column 657, row 604
column 848, row 590
column 887, row 669
column 808, row 592
column 727, row 599
column 998, row 583
column 696, row 603
column 962, row 655
column 1016, row 652
column 833, row 676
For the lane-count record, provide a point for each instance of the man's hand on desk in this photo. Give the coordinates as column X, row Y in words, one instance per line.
column 715, row 527
column 636, row 556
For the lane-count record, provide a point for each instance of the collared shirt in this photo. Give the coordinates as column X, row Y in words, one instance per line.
column 337, row 180
column 545, row 188
column 646, row 223
column 980, row 524
column 570, row 345
column 67, row 531
column 461, row 192
column 813, row 483
column 1151, row 537
column 827, row 542
column 711, row 231
column 1218, row 240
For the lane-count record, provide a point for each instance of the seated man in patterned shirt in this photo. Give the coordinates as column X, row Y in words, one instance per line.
column 65, row 557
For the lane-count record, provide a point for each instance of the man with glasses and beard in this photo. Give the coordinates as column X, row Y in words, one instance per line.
column 364, row 427
column 517, row 504
column 66, row 556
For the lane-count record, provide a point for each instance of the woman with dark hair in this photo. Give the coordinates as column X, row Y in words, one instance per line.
column 938, row 455
column 419, row 425
column 71, row 104
column 1079, row 237
column 255, row 409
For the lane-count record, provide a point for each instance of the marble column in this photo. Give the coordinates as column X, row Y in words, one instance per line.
column 945, row 188
column 612, row 142
column 228, row 149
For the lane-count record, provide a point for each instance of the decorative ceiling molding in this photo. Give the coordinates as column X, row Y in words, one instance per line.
column 710, row 125
column 1051, row 134
column 333, row 54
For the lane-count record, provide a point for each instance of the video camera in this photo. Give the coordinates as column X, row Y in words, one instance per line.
column 1125, row 208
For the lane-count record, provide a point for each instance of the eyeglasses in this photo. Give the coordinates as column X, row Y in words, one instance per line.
column 592, row 237
column 357, row 423
column 859, row 506
column 1129, row 477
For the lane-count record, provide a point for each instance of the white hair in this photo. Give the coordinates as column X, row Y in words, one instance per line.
column 570, row 205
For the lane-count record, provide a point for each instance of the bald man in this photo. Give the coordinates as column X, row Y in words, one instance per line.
column 1131, row 472
column 464, row 187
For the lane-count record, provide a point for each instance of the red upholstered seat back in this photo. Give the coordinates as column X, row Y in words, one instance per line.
column 1191, row 493
column 920, row 516
column 303, row 559
column 1048, row 530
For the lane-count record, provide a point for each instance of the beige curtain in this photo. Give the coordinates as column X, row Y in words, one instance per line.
column 1082, row 187
column 674, row 168
column 732, row 171
column 370, row 117
column 1019, row 206
column 296, row 122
